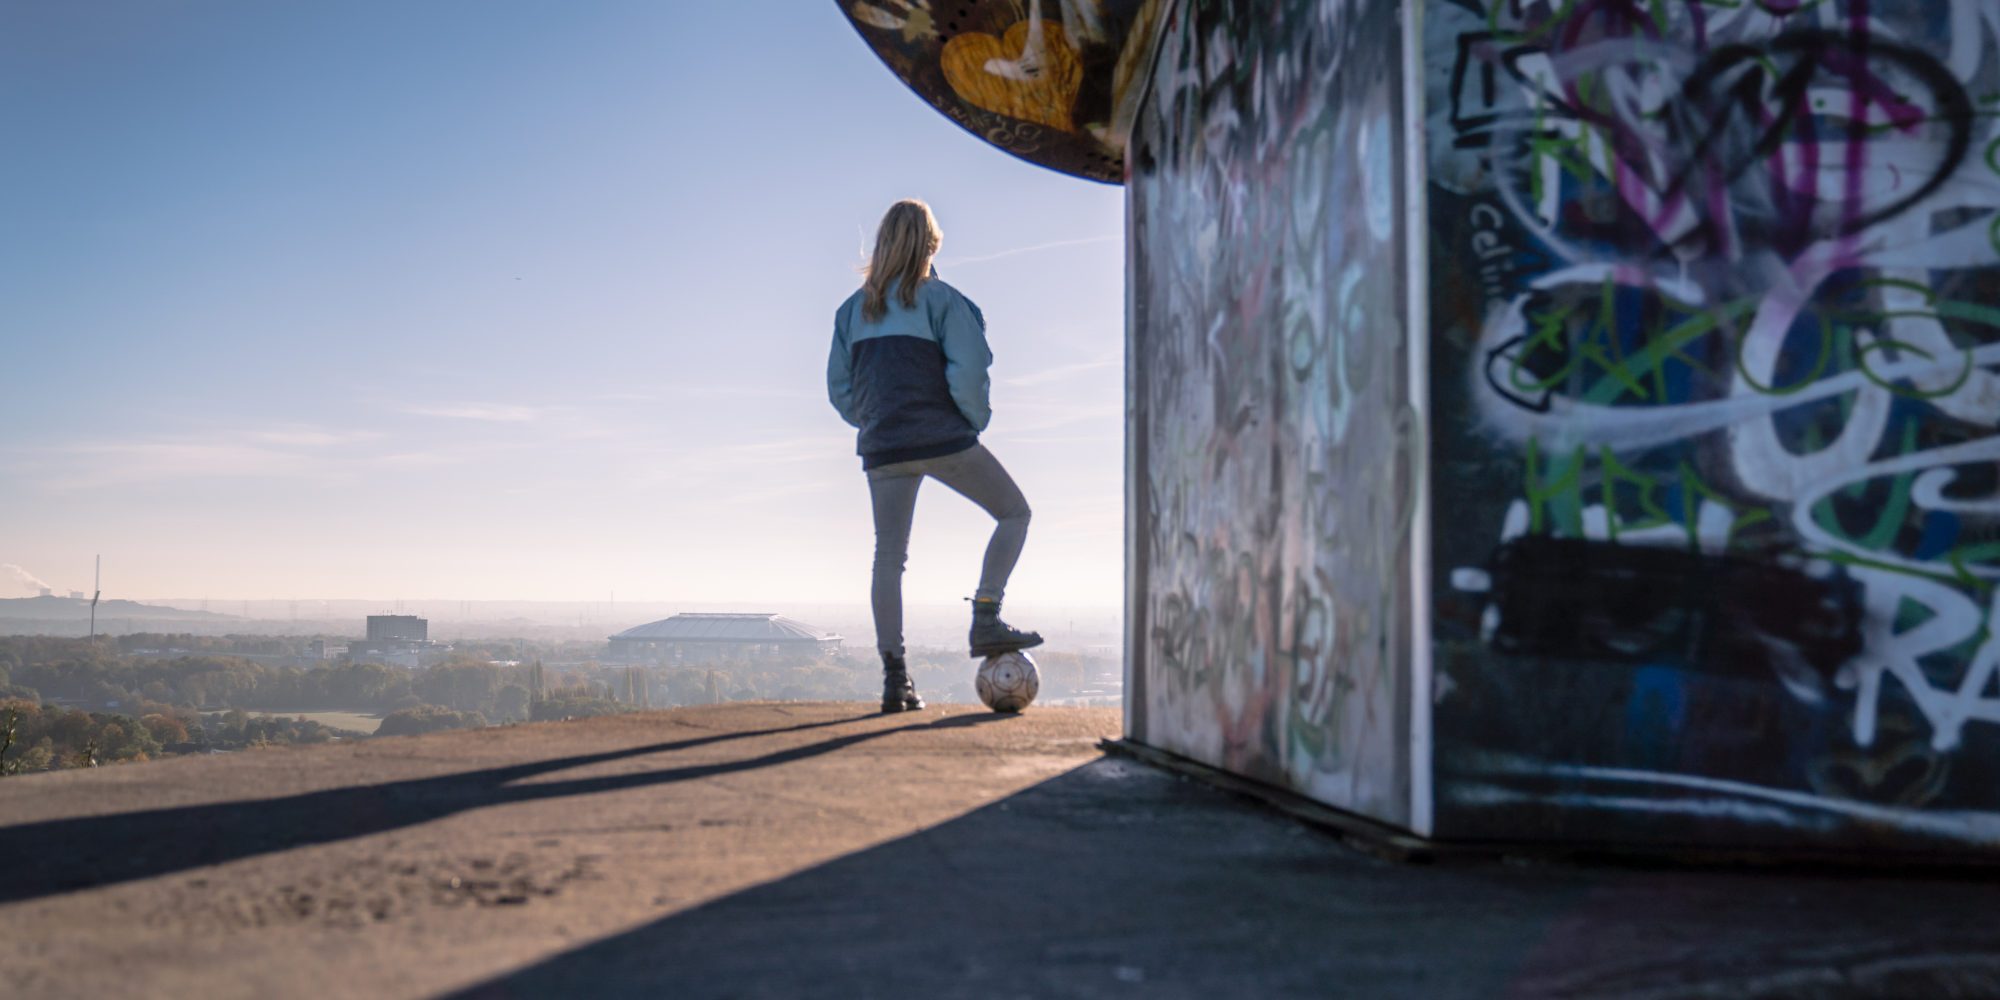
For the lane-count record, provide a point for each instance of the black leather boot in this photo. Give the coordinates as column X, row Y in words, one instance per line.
column 991, row 636
column 898, row 694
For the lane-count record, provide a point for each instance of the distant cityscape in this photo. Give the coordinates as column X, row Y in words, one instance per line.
column 176, row 676
column 1098, row 630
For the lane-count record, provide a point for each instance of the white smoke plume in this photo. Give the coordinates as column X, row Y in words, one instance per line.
column 21, row 579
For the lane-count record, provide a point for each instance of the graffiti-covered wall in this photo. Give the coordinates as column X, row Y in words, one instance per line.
column 1716, row 323
column 1273, row 450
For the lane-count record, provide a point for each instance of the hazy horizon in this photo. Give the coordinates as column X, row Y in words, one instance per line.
column 928, row 624
column 507, row 302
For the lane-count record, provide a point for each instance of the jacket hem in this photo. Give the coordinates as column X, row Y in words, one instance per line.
column 870, row 460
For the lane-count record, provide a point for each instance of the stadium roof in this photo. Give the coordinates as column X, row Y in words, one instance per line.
column 726, row 628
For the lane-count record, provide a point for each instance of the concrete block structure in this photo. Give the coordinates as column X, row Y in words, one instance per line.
column 398, row 628
column 398, row 640
column 1556, row 422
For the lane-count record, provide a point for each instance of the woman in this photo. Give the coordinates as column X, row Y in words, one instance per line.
column 908, row 369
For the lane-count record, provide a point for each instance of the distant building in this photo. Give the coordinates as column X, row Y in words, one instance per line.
column 384, row 628
column 702, row 638
column 397, row 640
column 76, row 595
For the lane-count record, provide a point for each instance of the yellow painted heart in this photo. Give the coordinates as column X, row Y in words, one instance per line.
column 1001, row 75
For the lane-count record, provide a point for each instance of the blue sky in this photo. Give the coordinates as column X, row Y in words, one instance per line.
column 481, row 300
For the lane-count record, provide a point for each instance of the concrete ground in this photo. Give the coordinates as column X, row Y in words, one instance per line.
column 821, row 850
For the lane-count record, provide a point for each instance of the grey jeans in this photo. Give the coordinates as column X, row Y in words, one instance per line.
column 976, row 475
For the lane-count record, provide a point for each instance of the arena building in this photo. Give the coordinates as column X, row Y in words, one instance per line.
column 705, row 638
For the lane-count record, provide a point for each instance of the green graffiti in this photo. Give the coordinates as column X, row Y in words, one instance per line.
column 1616, row 472
column 1556, row 491
column 1561, row 499
column 1694, row 490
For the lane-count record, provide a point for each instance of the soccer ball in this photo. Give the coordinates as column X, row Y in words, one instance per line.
column 1008, row 682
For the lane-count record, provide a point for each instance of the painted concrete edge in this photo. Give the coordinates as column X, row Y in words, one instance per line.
column 1416, row 217
column 1368, row 833
column 1389, row 840
column 1135, row 589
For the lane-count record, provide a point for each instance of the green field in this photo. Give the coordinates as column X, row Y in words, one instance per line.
column 360, row 722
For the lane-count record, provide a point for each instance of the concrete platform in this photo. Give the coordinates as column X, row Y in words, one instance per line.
column 821, row 850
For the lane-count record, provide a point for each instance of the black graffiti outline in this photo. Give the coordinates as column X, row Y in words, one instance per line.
column 1493, row 359
column 1954, row 108
column 1478, row 131
column 1813, row 50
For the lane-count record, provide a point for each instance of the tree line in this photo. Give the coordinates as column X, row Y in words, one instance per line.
column 36, row 737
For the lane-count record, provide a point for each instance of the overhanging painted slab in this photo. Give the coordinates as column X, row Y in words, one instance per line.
column 1053, row 82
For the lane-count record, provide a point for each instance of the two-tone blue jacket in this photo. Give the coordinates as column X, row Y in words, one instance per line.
column 914, row 382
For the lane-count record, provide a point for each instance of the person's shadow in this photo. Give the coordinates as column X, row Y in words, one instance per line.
column 62, row 855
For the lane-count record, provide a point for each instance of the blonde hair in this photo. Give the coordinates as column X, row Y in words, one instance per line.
column 904, row 245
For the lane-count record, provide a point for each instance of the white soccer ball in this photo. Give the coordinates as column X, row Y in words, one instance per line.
column 1008, row 682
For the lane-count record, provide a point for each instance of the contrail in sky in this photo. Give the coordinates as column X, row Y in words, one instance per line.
column 957, row 261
